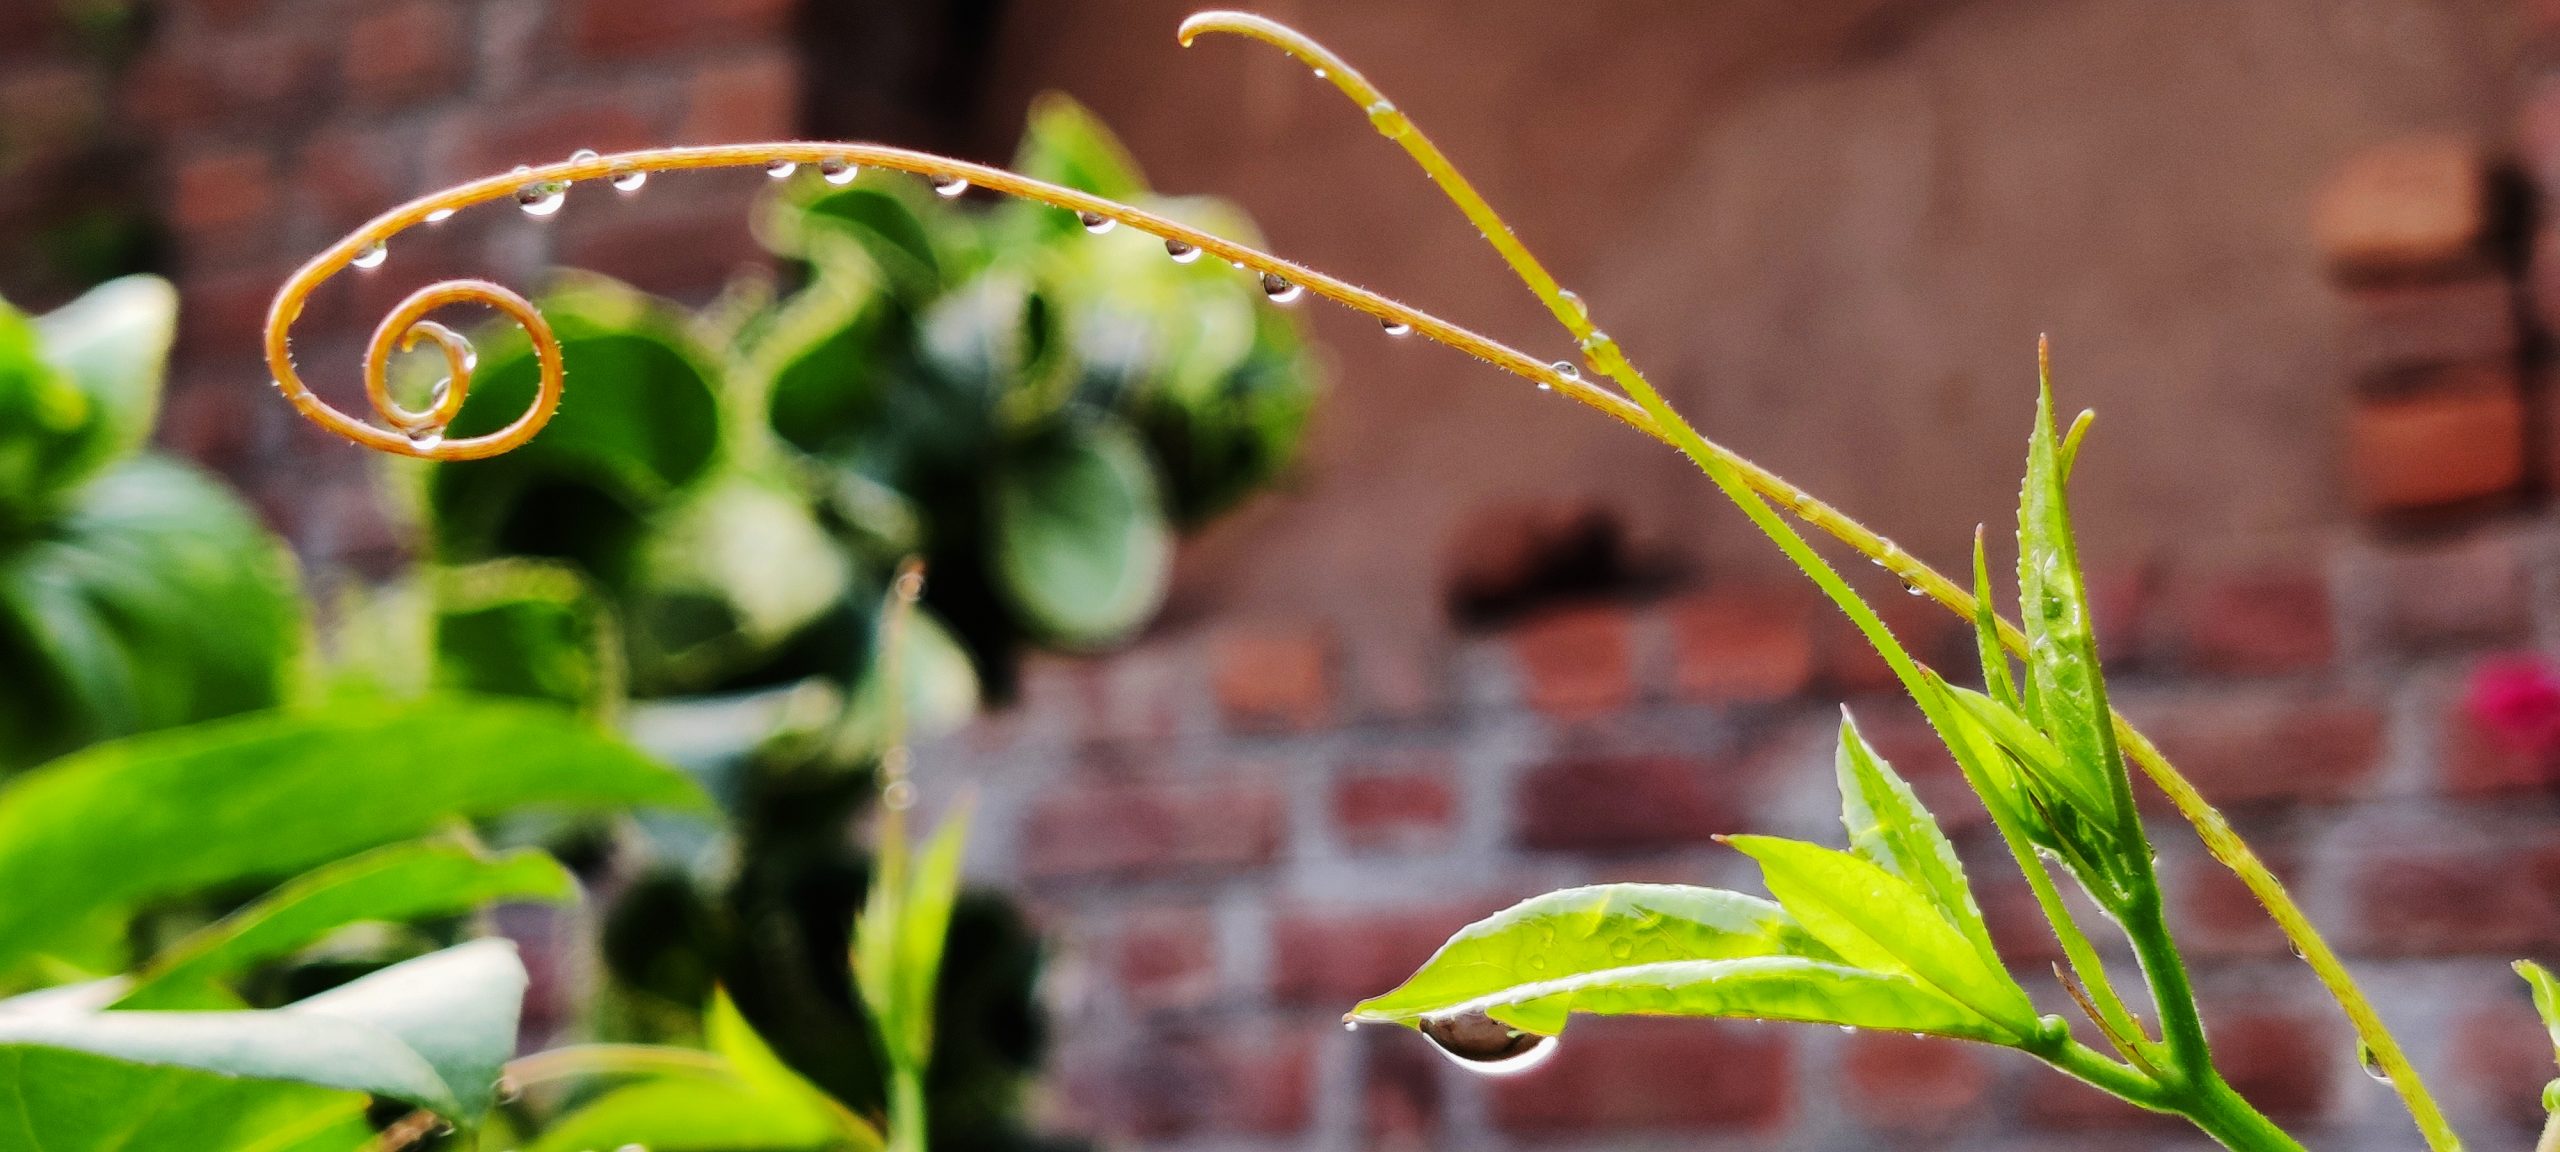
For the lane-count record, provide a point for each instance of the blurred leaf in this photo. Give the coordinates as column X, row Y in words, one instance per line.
column 898, row 243
column 941, row 690
column 151, row 817
column 2546, row 998
column 47, row 424
column 1508, row 958
column 66, row 1101
column 1876, row 921
column 431, row 1032
column 992, row 334
column 1065, row 143
column 155, row 599
column 1080, row 542
column 530, row 629
column 689, row 1115
column 395, row 882
column 822, row 362
column 727, row 577
column 898, row 942
column 1891, row 829
column 113, row 344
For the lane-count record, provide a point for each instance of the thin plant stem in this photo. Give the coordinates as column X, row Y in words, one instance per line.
column 1604, row 354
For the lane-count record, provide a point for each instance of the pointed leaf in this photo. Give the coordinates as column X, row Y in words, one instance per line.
column 1876, row 921
column 1890, row 828
column 2546, row 998
column 457, row 1008
column 1986, row 632
column 394, row 883
column 925, row 925
column 1791, row 988
column 1589, row 930
column 2053, row 607
column 67, row 1101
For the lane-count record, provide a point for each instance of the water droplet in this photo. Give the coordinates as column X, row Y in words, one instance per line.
column 440, row 215
column 508, row 1090
column 837, row 170
column 2296, row 949
column 426, row 439
column 1320, row 73
column 1350, row 1025
column 633, row 1148
column 1543, row 386
column 1096, row 222
column 779, row 168
column 1486, row 1046
column 371, row 257
column 1911, row 589
column 1852, row 1029
column 1566, row 369
column 1238, row 265
column 1396, row 327
column 1622, row 948
column 444, row 384
column 899, row 795
column 2371, row 1062
column 1182, row 253
column 1280, row 290
column 627, row 179
column 1573, row 300
column 540, row 197
column 949, row 187
column 583, row 155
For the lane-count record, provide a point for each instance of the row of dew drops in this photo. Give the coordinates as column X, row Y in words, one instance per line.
column 543, row 198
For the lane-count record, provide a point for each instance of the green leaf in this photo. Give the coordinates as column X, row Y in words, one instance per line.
column 66, row 1101
column 2062, row 650
column 822, row 362
column 528, row 629
column 431, row 1032
column 113, row 345
column 1064, row 143
column 1579, row 931
column 941, row 690
column 393, row 883
column 2546, row 998
column 1789, row 988
column 2042, row 762
column 1081, row 545
column 1986, row 632
column 724, row 579
column 1875, row 920
column 686, row 1116
column 1890, row 828
column 158, row 816
column 154, row 599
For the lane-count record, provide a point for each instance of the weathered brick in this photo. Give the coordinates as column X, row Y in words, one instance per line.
column 1274, row 679
column 1622, row 803
column 2456, row 438
column 2416, row 207
column 2428, row 900
column 1917, row 1085
column 2502, row 1058
column 1506, row 557
column 1402, row 803
column 755, row 98
column 224, row 194
column 1741, row 645
column 1577, row 663
column 1631, row 1074
column 1929, row 632
column 1400, row 1098
column 540, row 130
column 1331, row 959
column 630, row 29
column 2216, row 915
column 343, row 177
column 2251, row 747
column 2470, row 590
column 2260, row 621
column 1167, row 957
column 1153, row 829
column 1222, row 1076
column 2392, row 328
column 404, row 52
column 2282, row 1061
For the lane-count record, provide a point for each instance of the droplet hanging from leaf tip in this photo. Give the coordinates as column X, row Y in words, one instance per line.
column 1486, row 1046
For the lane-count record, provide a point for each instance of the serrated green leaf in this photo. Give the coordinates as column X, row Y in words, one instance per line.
column 1081, row 546
column 1890, row 828
column 1578, row 931
column 2546, row 998
column 2034, row 754
column 396, row 882
column 1875, row 920
column 157, row 816
column 1986, row 633
column 2062, row 649
column 1786, row 988
column 431, row 1032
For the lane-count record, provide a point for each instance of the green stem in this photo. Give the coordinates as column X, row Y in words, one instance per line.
column 2232, row 1121
column 906, row 1109
column 2172, row 993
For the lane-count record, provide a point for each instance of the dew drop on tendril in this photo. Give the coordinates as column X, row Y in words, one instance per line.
column 779, row 168
column 2371, row 1062
column 371, row 257
column 584, row 155
column 1911, row 589
column 1573, row 300
column 1280, row 290
column 1396, row 327
column 1486, row 1046
column 1096, row 222
column 1566, row 369
column 540, row 197
column 426, row 439
column 1182, row 253
column 627, row 179
column 837, row 170
column 949, row 187
column 440, row 215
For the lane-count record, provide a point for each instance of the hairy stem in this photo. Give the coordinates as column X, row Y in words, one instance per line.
column 1604, row 354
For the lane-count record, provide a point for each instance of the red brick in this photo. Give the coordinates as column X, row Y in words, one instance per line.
column 2416, row 207
column 1577, row 663
column 1396, row 682
column 1331, row 959
column 1505, row 556
column 539, row 131
column 50, row 107
column 1630, row 1074
column 2458, row 438
column 2216, row 915
column 1272, row 679
column 1622, row 803
column 343, row 177
column 1923, row 628
column 224, row 314
column 1913, row 1084
column 1741, row 645
column 2243, row 747
column 224, row 193
column 1230, row 1076
column 2120, row 605
column 2467, row 591
column 757, row 98
column 2016, row 921
column 2260, row 622
column 2502, row 733
column 1405, row 804
column 1151, row 829
column 2439, row 901
column 2396, row 327
column 1131, row 704
column 2502, row 1058
column 1399, row 1091
column 1167, row 957
column 2281, row 1061
column 628, row 29
column 404, row 52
